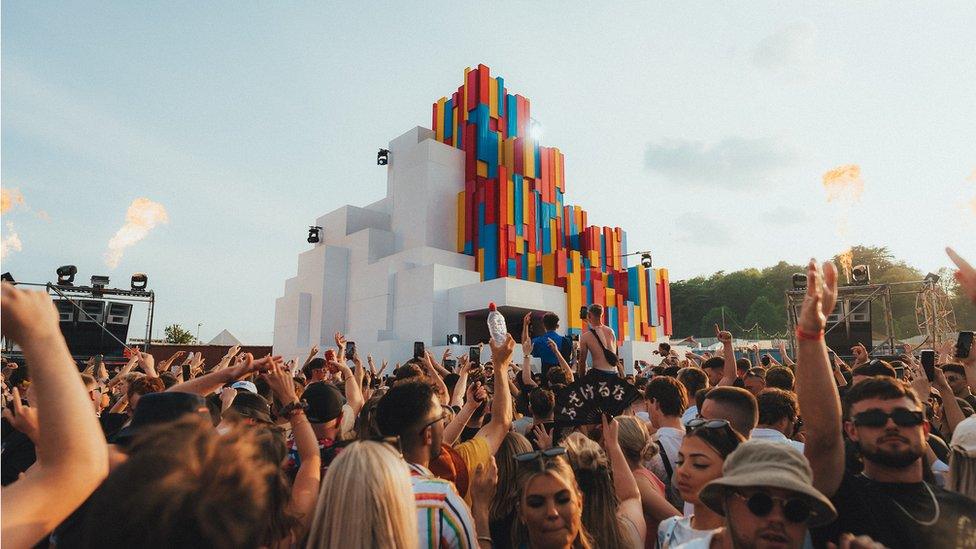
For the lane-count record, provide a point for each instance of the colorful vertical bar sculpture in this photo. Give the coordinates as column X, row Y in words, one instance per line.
column 512, row 218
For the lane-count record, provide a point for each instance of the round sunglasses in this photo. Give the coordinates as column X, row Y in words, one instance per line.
column 761, row 504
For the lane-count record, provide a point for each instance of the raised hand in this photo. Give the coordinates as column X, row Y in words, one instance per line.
column 527, row 347
column 820, row 299
column 965, row 276
column 723, row 336
column 501, row 353
column 611, row 429
column 543, row 438
column 552, row 345
column 281, row 383
column 476, row 392
column 27, row 316
column 21, row 417
column 860, row 354
column 483, row 484
column 340, row 340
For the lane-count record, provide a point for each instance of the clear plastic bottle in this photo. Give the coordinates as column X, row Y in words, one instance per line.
column 496, row 324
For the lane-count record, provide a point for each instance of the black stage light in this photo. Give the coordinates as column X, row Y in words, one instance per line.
column 139, row 281
column 313, row 234
column 932, row 278
column 646, row 260
column 66, row 275
column 99, row 281
column 860, row 275
column 453, row 339
column 383, row 157
column 799, row 281
column 7, row 277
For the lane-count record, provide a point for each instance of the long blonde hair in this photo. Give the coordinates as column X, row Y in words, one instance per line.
column 366, row 501
column 593, row 474
column 558, row 468
column 962, row 474
column 507, row 492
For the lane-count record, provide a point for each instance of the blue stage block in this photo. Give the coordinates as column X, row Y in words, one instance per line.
column 448, row 118
column 491, row 251
column 501, row 96
column 511, row 111
column 518, row 184
column 612, row 318
column 512, row 269
column 633, row 288
column 652, row 298
column 630, row 319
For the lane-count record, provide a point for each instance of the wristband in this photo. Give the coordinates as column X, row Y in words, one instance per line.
column 809, row 336
column 288, row 409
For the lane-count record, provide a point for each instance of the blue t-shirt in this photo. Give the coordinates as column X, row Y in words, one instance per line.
column 541, row 350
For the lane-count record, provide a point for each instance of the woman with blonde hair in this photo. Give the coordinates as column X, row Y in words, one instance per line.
column 962, row 460
column 638, row 448
column 366, row 501
column 612, row 511
column 550, row 504
column 501, row 513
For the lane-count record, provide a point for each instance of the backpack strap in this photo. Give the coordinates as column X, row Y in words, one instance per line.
column 666, row 461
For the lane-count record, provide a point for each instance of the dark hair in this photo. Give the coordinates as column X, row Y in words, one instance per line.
column 757, row 372
column 671, row 371
column 145, row 385
column 541, row 402
column 883, row 387
column 743, row 364
column 713, row 363
column 168, row 379
column 317, row 363
column 955, row 368
column 775, row 405
column 694, row 379
column 669, row 394
column 550, row 321
column 408, row 371
column 595, row 310
column 723, row 440
column 780, row 377
column 557, row 376
column 875, row 368
column 451, row 381
column 664, row 347
column 745, row 412
column 403, row 408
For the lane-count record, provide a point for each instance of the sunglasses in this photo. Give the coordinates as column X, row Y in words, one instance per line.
column 443, row 418
column 761, row 504
column 702, row 423
column 540, row 456
column 901, row 416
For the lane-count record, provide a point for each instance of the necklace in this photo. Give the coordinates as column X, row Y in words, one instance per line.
column 938, row 508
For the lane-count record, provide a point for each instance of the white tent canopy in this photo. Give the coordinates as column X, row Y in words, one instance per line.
column 224, row 338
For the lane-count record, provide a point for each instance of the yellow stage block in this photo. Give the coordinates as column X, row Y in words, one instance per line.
column 454, row 127
column 642, row 288
column 510, row 191
column 482, row 168
column 439, row 121
column 531, row 263
column 464, row 103
column 653, row 336
column 519, row 245
column 509, row 156
column 611, row 295
column 574, row 290
column 549, row 269
column 552, row 234
column 493, row 97
column 528, row 156
column 481, row 263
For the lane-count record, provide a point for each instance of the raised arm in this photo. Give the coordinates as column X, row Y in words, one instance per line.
column 72, row 457
column 624, row 482
column 305, row 489
column 787, row 361
column 562, row 361
column 476, row 394
column 729, row 373
column 436, row 379
column 311, row 354
column 527, row 380
column 457, row 397
column 501, row 405
column 816, row 392
column 210, row 382
column 354, row 392
column 125, row 369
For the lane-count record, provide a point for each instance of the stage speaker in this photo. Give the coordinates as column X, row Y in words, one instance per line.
column 88, row 334
column 848, row 325
column 117, row 324
column 66, row 311
column 93, row 312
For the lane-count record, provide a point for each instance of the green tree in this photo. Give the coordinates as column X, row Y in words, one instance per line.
column 767, row 316
column 175, row 334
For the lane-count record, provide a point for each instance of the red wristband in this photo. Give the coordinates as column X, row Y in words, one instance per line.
column 809, row 336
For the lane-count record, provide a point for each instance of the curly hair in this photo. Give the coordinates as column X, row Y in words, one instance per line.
column 593, row 474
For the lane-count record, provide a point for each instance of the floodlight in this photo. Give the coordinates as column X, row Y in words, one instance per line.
column 383, row 157
column 313, row 234
column 139, row 281
column 860, row 275
column 66, row 275
column 453, row 339
column 646, row 260
column 799, row 281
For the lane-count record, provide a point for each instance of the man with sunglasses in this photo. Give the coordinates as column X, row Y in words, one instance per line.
column 955, row 375
column 889, row 501
column 766, row 497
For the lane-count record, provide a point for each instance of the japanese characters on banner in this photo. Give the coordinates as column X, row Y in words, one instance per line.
column 584, row 401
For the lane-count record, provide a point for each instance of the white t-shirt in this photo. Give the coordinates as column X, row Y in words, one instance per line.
column 670, row 438
column 677, row 532
column 691, row 413
column 522, row 425
column 763, row 433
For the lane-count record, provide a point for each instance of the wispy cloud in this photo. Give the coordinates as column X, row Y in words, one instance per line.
column 732, row 162
column 702, row 230
column 785, row 215
column 10, row 241
column 790, row 48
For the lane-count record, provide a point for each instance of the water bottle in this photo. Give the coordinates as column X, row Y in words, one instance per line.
column 496, row 324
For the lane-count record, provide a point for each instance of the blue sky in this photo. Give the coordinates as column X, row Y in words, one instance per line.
column 248, row 120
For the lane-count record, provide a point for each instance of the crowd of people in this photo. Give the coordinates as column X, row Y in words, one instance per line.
column 339, row 452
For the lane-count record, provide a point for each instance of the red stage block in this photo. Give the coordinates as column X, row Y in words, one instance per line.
column 472, row 95
column 483, row 92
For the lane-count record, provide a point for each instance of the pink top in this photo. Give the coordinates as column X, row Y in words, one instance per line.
column 651, row 540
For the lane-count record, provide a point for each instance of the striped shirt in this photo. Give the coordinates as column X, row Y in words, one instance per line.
column 443, row 519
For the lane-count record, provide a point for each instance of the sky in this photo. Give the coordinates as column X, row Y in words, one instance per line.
column 703, row 129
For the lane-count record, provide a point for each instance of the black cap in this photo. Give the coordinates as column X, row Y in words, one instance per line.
column 253, row 406
column 324, row 402
column 158, row 408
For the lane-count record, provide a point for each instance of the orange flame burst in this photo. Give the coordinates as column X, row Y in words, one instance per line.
column 141, row 217
column 846, row 259
column 844, row 183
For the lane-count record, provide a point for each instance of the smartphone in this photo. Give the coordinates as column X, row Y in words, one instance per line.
column 764, row 360
column 474, row 356
column 98, row 360
column 418, row 349
column 350, row 349
column 450, row 364
column 964, row 344
column 928, row 364
column 583, row 312
column 186, row 372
